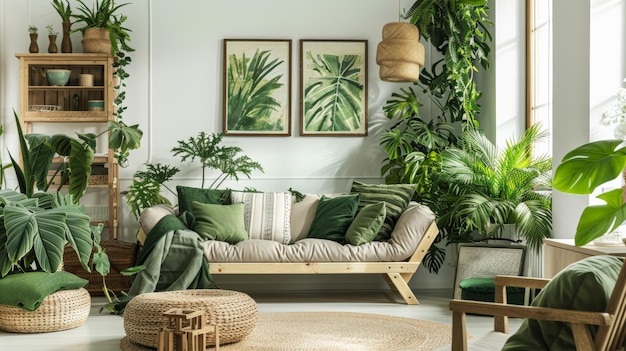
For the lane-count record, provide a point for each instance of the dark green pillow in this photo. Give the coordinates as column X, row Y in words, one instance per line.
column 27, row 290
column 395, row 196
column 333, row 217
column 186, row 195
column 219, row 222
column 585, row 285
column 366, row 224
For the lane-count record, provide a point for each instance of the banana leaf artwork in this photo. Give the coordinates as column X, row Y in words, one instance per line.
column 257, row 87
column 333, row 90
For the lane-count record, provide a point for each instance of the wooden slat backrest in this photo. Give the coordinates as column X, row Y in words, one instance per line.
column 612, row 337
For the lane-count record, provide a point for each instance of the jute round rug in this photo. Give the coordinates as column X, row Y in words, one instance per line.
column 336, row 331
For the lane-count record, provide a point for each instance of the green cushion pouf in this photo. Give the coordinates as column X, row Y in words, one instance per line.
column 483, row 289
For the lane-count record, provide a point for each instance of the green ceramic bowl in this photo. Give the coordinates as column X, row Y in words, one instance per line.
column 58, row 76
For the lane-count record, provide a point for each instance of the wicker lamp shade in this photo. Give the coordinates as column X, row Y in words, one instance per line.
column 400, row 55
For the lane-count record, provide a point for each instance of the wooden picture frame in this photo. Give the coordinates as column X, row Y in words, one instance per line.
column 333, row 87
column 487, row 261
column 257, row 87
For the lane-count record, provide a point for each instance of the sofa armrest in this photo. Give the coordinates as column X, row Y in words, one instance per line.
column 150, row 216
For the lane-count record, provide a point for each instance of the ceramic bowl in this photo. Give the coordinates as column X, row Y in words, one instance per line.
column 58, row 76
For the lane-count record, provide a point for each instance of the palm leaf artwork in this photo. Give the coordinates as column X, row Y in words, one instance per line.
column 334, row 95
column 253, row 84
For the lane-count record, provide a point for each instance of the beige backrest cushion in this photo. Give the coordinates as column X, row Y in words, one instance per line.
column 302, row 214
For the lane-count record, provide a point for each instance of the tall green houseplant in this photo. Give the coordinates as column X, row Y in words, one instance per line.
column 414, row 144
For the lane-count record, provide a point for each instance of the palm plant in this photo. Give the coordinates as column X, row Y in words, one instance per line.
column 487, row 188
column 250, row 88
column 333, row 98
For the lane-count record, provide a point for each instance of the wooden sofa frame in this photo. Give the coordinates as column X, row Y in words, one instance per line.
column 396, row 274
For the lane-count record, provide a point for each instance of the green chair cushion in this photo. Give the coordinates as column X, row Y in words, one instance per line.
column 219, row 222
column 484, row 289
column 186, row 195
column 27, row 290
column 395, row 196
column 333, row 216
column 366, row 224
column 585, row 285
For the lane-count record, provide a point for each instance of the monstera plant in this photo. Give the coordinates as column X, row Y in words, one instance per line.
column 582, row 171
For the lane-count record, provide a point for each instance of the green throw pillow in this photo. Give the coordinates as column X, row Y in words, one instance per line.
column 395, row 196
column 366, row 224
column 219, row 222
column 186, row 195
column 333, row 217
column 27, row 290
column 585, row 285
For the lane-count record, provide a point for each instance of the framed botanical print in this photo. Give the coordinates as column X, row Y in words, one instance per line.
column 257, row 87
column 333, row 87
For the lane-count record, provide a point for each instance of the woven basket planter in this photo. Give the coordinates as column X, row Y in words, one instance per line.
column 234, row 312
column 65, row 309
column 96, row 40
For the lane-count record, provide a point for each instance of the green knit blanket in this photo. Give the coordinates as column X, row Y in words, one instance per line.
column 27, row 290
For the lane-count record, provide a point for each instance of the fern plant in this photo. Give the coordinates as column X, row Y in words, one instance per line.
column 251, row 85
column 333, row 98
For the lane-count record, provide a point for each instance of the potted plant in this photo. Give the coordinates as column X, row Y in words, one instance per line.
column 52, row 36
column 488, row 188
column 101, row 23
column 145, row 191
column 480, row 190
column 65, row 11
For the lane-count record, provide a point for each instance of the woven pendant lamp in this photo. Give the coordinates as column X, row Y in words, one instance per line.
column 400, row 55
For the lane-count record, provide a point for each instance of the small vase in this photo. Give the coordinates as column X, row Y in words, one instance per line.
column 66, row 42
column 52, row 48
column 33, row 48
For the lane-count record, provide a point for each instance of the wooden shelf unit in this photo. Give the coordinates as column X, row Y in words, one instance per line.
column 42, row 103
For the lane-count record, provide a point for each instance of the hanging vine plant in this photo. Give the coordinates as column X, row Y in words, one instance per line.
column 457, row 29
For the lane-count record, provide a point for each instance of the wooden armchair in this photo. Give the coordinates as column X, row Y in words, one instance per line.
column 610, row 333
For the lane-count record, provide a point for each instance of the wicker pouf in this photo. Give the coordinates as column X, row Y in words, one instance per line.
column 65, row 309
column 234, row 312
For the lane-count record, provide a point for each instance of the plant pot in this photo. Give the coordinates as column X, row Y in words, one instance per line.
column 96, row 40
column 33, row 48
column 52, row 47
column 66, row 42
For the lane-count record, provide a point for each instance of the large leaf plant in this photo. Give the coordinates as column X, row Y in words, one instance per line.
column 35, row 225
column 581, row 172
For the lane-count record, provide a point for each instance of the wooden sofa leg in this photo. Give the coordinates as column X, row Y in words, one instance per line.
column 396, row 282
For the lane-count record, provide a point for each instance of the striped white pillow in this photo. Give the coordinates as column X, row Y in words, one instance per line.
column 266, row 215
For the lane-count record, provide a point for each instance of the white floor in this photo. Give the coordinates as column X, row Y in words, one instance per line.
column 102, row 331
